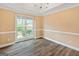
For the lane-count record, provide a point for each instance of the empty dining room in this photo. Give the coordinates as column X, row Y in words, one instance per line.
column 39, row 29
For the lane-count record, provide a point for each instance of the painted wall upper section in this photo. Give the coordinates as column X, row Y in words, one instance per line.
column 67, row 20
column 7, row 20
column 39, row 26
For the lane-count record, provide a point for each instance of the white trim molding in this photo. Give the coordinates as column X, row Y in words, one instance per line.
column 62, row 32
column 9, row 32
column 64, row 44
column 8, row 44
column 59, row 8
column 62, row 7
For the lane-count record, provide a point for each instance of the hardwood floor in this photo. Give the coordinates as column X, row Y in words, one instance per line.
column 38, row 47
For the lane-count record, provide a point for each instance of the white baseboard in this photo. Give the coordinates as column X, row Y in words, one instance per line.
column 5, row 45
column 69, row 46
column 38, row 37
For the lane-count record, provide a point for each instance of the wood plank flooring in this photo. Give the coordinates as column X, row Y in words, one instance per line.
column 38, row 47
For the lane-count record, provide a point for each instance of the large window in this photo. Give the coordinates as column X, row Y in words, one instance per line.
column 24, row 27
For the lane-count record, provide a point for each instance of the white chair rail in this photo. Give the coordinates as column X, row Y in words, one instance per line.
column 62, row 32
column 9, row 32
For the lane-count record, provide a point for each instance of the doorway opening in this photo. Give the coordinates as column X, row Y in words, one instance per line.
column 24, row 28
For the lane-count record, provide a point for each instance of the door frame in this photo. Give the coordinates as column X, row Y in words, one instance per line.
column 16, row 31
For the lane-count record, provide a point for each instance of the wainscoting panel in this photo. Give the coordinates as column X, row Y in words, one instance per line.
column 7, row 38
column 68, row 39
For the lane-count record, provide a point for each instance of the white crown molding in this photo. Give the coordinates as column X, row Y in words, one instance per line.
column 10, row 9
column 59, row 8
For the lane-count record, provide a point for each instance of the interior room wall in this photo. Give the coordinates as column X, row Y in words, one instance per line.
column 63, row 27
column 8, row 23
column 39, row 26
column 7, row 26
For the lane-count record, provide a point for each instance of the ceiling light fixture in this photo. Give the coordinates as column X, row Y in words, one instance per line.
column 44, row 5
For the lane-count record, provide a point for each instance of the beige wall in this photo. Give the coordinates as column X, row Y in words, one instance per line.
column 64, row 21
column 7, row 19
column 7, row 24
column 39, row 26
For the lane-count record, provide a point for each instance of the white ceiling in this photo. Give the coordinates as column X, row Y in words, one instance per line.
column 37, row 8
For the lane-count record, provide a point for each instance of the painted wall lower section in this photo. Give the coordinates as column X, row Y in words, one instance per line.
column 71, row 40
